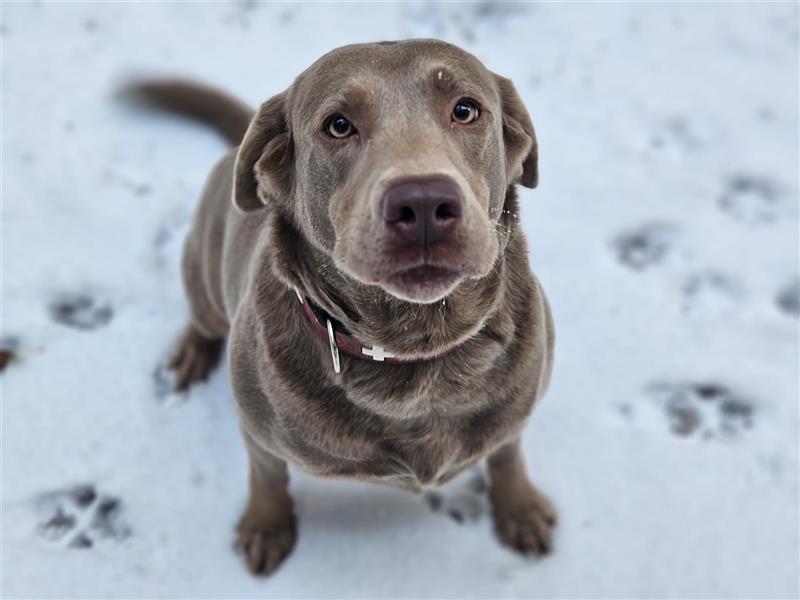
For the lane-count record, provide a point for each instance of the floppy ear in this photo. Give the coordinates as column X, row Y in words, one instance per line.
column 263, row 165
column 522, row 151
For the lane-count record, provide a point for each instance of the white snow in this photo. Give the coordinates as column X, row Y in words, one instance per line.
column 672, row 127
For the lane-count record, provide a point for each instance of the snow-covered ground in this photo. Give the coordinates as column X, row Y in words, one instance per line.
column 665, row 231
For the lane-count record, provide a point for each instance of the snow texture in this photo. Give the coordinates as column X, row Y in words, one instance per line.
column 665, row 231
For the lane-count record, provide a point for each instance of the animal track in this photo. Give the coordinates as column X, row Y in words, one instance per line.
column 79, row 517
column 8, row 351
column 788, row 299
column 750, row 200
column 80, row 311
column 710, row 294
column 705, row 410
column 677, row 135
column 645, row 246
column 463, row 501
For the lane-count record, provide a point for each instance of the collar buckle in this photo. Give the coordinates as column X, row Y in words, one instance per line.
column 337, row 367
column 377, row 353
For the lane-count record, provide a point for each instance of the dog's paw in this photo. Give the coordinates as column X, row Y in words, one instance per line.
column 525, row 523
column 265, row 545
column 194, row 358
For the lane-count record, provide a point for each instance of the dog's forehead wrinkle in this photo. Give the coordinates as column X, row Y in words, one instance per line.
column 398, row 66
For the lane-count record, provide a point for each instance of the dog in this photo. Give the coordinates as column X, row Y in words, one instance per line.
column 360, row 250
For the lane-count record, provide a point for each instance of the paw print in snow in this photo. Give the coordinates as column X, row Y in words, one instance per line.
column 463, row 501
column 788, row 298
column 752, row 201
column 644, row 246
column 79, row 517
column 711, row 294
column 80, row 311
column 704, row 410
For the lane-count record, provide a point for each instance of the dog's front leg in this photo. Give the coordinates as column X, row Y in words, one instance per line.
column 267, row 530
column 523, row 517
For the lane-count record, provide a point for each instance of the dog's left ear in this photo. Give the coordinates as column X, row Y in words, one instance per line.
column 263, row 168
column 522, row 151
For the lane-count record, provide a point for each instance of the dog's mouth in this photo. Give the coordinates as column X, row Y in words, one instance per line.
column 425, row 275
column 422, row 283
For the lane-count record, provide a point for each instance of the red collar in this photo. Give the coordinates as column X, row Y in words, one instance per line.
column 333, row 333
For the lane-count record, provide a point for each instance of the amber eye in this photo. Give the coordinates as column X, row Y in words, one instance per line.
column 465, row 112
column 339, row 127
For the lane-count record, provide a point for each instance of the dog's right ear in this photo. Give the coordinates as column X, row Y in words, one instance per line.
column 262, row 172
column 522, row 150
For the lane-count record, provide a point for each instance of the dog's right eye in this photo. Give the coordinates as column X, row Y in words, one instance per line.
column 339, row 127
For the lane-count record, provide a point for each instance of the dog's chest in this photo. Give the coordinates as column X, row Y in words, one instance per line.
column 424, row 459
column 412, row 455
column 418, row 463
column 415, row 430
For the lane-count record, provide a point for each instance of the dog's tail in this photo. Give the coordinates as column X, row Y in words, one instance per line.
column 194, row 101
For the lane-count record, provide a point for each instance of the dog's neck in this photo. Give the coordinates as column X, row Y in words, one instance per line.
column 374, row 316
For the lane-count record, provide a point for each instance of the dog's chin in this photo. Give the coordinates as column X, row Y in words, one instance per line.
column 422, row 284
column 408, row 276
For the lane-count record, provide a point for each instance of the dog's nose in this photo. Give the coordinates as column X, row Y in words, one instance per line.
column 423, row 211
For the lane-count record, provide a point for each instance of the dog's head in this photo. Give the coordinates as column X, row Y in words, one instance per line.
column 394, row 159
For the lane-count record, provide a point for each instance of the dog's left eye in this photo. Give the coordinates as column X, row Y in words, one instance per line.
column 465, row 112
column 339, row 127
